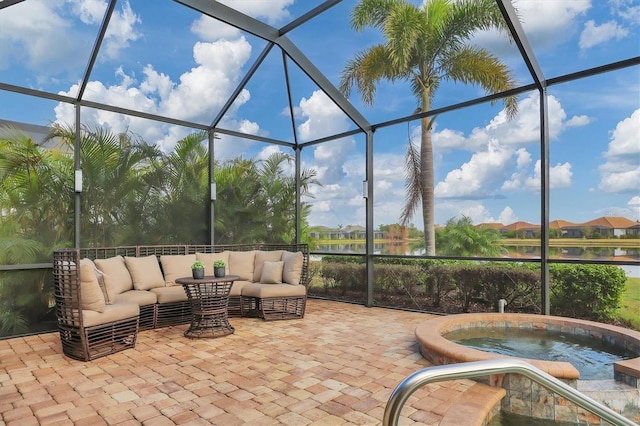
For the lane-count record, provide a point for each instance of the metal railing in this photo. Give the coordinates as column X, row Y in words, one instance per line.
column 467, row 370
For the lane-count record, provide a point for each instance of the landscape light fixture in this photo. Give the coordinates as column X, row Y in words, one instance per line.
column 78, row 181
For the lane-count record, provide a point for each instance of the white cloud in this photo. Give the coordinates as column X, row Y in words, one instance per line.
column 524, row 129
column 593, row 34
column 478, row 177
column 121, row 30
column 546, row 23
column 322, row 118
column 34, row 35
column 49, row 42
column 559, row 177
column 209, row 29
column 321, row 115
column 201, row 92
column 578, row 121
column 89, row 11
column 634, row 208
column 626, row 9
column 621, row 171
column 273, row 11
column 507, row 216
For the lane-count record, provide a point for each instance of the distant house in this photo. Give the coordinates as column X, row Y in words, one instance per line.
column 522, row 229
column 490, row 225
column 565, row 228
column 350, row 232
column 38, row 134
column 608, row 227
column 611, row 226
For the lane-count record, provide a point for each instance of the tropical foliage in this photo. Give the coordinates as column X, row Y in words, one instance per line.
column 132, row 194
column 426, row 46
column 461, row 238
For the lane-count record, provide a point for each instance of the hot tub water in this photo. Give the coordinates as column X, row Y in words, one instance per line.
column 593, row 358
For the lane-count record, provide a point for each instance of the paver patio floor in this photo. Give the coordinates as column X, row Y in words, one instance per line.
column 336, row 366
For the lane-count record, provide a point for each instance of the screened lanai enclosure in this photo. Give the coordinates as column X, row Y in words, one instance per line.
column 396, row 142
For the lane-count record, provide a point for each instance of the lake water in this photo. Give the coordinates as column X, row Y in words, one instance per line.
column 404, row 248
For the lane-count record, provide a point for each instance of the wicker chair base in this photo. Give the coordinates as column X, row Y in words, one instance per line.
column 100, row 340
column 274, row 308
column 235, row 307
column 147, row 317
column 168, row 314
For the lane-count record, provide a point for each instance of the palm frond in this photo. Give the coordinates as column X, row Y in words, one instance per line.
column 413, row 183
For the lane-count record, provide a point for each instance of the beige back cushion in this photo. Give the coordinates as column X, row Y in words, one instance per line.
column 209, row 258
column 145, row 272
column 176, row 266
column 292, row 267
column 116, row 275
column 92, row 298
column 241, row 264
column 264, row 256
column 271, row 272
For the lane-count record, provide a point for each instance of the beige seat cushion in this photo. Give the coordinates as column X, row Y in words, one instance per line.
column 145, row 272
column 236, row 288
column 176, row 266
column 111, row 313
column 272, row 272
column 264, row 256
column 116, row 275
column 92, row 298
column 273, row 290
column 241, row 263
column 171, row 294
column 139, row 297
column 209, row 258
column 292, row 267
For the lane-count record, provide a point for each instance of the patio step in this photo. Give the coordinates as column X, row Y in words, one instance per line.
column 475, row 407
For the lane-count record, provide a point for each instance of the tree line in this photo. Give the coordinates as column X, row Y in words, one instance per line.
column 132, row 193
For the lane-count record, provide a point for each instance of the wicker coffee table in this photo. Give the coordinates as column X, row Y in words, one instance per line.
column 209, row 298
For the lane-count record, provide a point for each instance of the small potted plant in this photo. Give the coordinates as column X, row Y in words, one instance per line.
column 197, row 269
column 219, row 268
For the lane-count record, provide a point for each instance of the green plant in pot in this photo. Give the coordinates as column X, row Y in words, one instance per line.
column 197, row 269
column 219, row 268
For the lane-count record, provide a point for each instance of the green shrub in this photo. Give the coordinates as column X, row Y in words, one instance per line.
column 346, row 277
column 591, row 292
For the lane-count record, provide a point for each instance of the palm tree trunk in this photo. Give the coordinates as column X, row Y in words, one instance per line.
column 427, row 181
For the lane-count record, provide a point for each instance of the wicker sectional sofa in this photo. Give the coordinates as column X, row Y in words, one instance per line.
column 105, row 295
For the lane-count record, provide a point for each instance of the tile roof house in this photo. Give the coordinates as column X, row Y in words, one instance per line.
column 605, row 226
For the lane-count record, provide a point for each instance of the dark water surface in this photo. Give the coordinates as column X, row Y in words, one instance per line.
column 593, row 358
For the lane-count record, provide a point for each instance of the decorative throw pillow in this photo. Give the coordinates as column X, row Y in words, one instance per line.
column 109, row 296
column 241, row 264
column 292, row 267
column 271, row 272
column 176, row 266
column 264, row 256
column 145, row 272
column 209, row 258
column 91, row 296
column 117, row 278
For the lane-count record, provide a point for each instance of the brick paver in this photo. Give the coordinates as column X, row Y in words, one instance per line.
column 337, row 366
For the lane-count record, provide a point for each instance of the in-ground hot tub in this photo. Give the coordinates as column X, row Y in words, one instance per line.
column 524, row 397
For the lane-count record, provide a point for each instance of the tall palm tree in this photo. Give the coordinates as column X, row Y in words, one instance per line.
column 426, row 45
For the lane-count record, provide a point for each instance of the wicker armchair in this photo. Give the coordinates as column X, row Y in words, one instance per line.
column 86, row 334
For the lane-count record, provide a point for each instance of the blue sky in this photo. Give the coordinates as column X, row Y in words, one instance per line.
column 164, row 58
